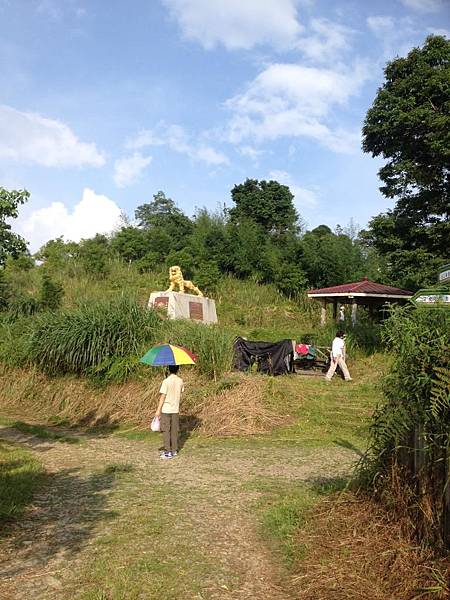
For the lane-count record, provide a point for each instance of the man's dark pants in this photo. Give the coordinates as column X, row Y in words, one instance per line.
column 170, row 425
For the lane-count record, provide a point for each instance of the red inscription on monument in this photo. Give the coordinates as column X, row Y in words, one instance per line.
column 161, row 302
column 196, row 311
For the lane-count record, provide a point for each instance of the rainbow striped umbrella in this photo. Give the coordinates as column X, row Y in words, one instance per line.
column 168, row 354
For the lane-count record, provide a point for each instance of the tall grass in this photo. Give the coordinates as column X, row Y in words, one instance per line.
column 15, row 340
column 212, row 344
column 91, row 335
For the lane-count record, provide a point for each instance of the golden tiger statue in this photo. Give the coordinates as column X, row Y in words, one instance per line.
column 176, row 280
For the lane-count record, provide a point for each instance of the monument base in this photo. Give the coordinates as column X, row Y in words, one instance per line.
column 185, row 306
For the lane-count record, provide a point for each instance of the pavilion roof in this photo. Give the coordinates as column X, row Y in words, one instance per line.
column 361, row 288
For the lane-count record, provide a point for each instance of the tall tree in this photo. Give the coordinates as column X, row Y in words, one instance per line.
column 267, row 203
column 11, row 244
column 163, row 214
column 409, row 126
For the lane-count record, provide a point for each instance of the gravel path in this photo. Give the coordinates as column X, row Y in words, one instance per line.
column 105, row 486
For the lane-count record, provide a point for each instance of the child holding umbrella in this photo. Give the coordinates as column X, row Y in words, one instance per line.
column 168, row 411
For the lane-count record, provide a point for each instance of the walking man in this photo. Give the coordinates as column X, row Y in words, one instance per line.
column 338, row 357
column 168, row 411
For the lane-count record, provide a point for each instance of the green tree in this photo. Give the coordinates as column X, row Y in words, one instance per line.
column 331, row 258
column 11, row 244
column 163, row 214
column 290, row 279
column 207, row 277
column 208, row 240
column 130, row 243
column 57, row 254
column 409, row 126
column 94, row 255
column 268, row 203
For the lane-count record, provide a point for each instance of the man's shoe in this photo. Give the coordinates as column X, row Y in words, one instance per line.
column 175, row 453
column 166, row 455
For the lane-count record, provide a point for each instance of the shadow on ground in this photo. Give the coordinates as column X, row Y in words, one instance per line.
column 348, row 446
column 65, row 513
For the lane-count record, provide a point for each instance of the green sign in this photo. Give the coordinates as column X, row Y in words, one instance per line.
column 444, row 274
column 432, row 298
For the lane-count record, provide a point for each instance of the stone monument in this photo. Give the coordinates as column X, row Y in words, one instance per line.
column 179, row 304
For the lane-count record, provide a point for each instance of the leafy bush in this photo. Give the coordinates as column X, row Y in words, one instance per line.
column 51, row 293
column 207, row 277
column 75, row 341
column 409, row 434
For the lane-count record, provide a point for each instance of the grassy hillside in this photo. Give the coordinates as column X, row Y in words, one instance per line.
column 248, row 308
column 80, row 362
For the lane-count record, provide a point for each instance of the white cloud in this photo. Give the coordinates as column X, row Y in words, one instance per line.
column 31, row 138
column 439, row 31
column 424, row 6
column 295, row 101
column 326, row 41
column 93, row 214
column 381, row 24
column 128, row 170
column 177, row 139
column 237, row 24
column 303, row 197
column 397, row 36
column 250, row 152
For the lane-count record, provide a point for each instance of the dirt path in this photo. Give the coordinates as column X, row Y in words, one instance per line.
column 113, row 510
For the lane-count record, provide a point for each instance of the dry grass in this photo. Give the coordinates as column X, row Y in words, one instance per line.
column 71, row 399
column 239, row 411
column 352, row 550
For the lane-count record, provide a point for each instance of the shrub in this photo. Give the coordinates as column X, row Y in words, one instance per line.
column 207, row 277
column 409, row 434
column 51, row 294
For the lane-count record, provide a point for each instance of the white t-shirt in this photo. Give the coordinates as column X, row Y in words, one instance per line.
column 337, row 348
column 172, row 387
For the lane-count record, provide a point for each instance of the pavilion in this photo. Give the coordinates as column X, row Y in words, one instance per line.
column 362, row 293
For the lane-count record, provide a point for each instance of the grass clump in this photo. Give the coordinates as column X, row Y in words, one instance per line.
column 20, row 476
column 92, row 336
column 115, row 468
column 212, row 344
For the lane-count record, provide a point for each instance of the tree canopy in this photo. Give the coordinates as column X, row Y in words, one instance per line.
column 268, row 203
column 409, row 126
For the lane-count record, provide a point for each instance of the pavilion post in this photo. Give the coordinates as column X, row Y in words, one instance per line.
column 323, row 312
column 334, row 310
column 354, row 312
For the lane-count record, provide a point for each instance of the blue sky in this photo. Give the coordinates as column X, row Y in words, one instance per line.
column 102, row 104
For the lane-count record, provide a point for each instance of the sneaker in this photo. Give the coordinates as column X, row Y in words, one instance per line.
column 175, row 453
column 166, row 455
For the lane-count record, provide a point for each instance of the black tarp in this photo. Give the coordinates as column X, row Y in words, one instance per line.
column 272, row 358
